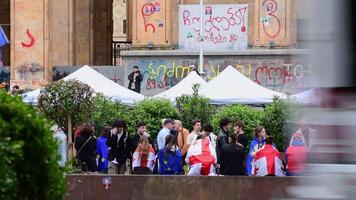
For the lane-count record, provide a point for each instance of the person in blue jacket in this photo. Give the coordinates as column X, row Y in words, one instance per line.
column 170, row 157
column 257, row 143
column 102, row 150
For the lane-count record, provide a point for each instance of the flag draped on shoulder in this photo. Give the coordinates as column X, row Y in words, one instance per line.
column 201, row 158
column 267, row 162
column 144, row 160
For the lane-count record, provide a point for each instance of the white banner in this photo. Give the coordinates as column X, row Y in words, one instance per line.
column 225, row 27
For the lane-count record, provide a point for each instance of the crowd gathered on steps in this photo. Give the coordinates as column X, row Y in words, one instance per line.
column 176, row 151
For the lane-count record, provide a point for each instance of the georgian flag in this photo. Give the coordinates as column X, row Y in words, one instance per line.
column 140, row 160
column 267, row 162
column 201, row 158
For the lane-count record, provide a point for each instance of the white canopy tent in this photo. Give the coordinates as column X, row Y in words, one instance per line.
column 98, row 82
column 232, row 87
column 307, row 97
column 183, row 87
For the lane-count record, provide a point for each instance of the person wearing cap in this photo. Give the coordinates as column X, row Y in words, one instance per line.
column 166, row 130
column 296, row 155
column 135, row 79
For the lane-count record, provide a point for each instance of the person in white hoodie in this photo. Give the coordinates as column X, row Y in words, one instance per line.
column 61, row 138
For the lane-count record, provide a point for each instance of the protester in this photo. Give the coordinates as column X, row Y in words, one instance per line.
column 15, row 90
column 233, row 158
column 192, row 137
column 296, row 155
column 267, row 161
column 134, row 138
column 166, row 130
column 225, row 125
column 256, row 144
column 135, row 79
column 208, row 132
column 201, row 157
column 102, row 150
column 182, row 137
column 170, row 157
column 174, row 130
column 119, row 148
column 85, row 144
column 242, row 136
column 143, row 159
column 61, row 138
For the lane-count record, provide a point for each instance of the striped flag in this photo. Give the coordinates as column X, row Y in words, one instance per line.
column 3, row 41
column 267, row 162
column 140, row 160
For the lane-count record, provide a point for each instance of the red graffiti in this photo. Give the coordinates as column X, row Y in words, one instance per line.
column 31, row 42
column 147, row 10
column 242, row 12
column 272, row 7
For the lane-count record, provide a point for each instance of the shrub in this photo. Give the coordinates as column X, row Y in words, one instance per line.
column 28, row 164
column 251, row 117
column 192, row 107
column 276, row 120
column 152, row 111
column 105, row 112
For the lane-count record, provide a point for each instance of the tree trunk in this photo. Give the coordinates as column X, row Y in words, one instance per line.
column 70, row 138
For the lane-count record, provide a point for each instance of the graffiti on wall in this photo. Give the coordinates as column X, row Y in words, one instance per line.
column 147, row 10
column 30, row 71
column 225, row 27
column 284, row 75
column 31, row 40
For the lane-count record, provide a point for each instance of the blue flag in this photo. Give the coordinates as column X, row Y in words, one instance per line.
column 3, row 38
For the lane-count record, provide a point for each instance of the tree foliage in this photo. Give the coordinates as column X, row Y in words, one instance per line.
column 192, row 107
column 61, row 99
column 28, row 164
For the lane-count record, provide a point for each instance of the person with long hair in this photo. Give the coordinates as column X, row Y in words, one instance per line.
column 143, row 159
column 256, row 144
column 170, row 157
column 85, row 144
column 103, row 150
column 233, row 157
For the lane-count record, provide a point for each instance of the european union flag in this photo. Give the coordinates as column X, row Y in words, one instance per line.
column 3, row 38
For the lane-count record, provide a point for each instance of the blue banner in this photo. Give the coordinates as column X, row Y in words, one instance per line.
column 3, row 38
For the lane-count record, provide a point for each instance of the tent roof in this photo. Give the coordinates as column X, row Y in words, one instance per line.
column 309, row 97
column 99, row 83
column 231, row 87
column 183, row 87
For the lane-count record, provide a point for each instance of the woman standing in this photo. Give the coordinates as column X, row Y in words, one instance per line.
column 143, row 159
column 170, row 157
column 85, row 144
column 257, row 143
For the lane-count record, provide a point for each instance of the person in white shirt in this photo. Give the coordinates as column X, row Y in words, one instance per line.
column 208, row 132
column 59, row 135
column 166, row 130
column 195, row 133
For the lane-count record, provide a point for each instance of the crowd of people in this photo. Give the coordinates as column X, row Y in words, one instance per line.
column 176, row 151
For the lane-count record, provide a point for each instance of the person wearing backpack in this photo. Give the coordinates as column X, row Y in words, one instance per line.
column 170, row 157
column 119, row 148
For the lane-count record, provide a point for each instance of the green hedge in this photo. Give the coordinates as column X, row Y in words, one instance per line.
column 28, row 164
column 151, row 111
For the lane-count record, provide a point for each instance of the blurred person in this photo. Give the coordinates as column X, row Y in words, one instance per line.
column 225, row 126
column 15, row 90
column 256, row 144
column 296, row 155
column 192, row 137
column 119, row 148
column 61, row 138
column 143, row 159
column 85, row 144
column 164, row 132
column 241, row 135
column 134, row 138
column 102, row 150
column 267, row 160
column 170, row 157
column 135, row 79
column 182, row 138
column 208, row 132
column 233, row 157
column 201, row 158
column 174, row 130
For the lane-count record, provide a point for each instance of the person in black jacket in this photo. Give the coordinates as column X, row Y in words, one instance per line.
column 233, row 158
column 241, row 135
column 135, row 79
column 85, row 144
column 119, row 148
column 135, row 138
column 225, row 125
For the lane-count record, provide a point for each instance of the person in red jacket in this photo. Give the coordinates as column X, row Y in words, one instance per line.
column 296, row 155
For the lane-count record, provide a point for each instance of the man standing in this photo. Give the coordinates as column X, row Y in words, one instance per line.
column 59, row 135
column 134, row 138
column 166, row 130
column 195, row 133
column 225, row 125
column 241, row 135
column 233, row 158
column 119, row 148
column 182, row 137
column 135, row 79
